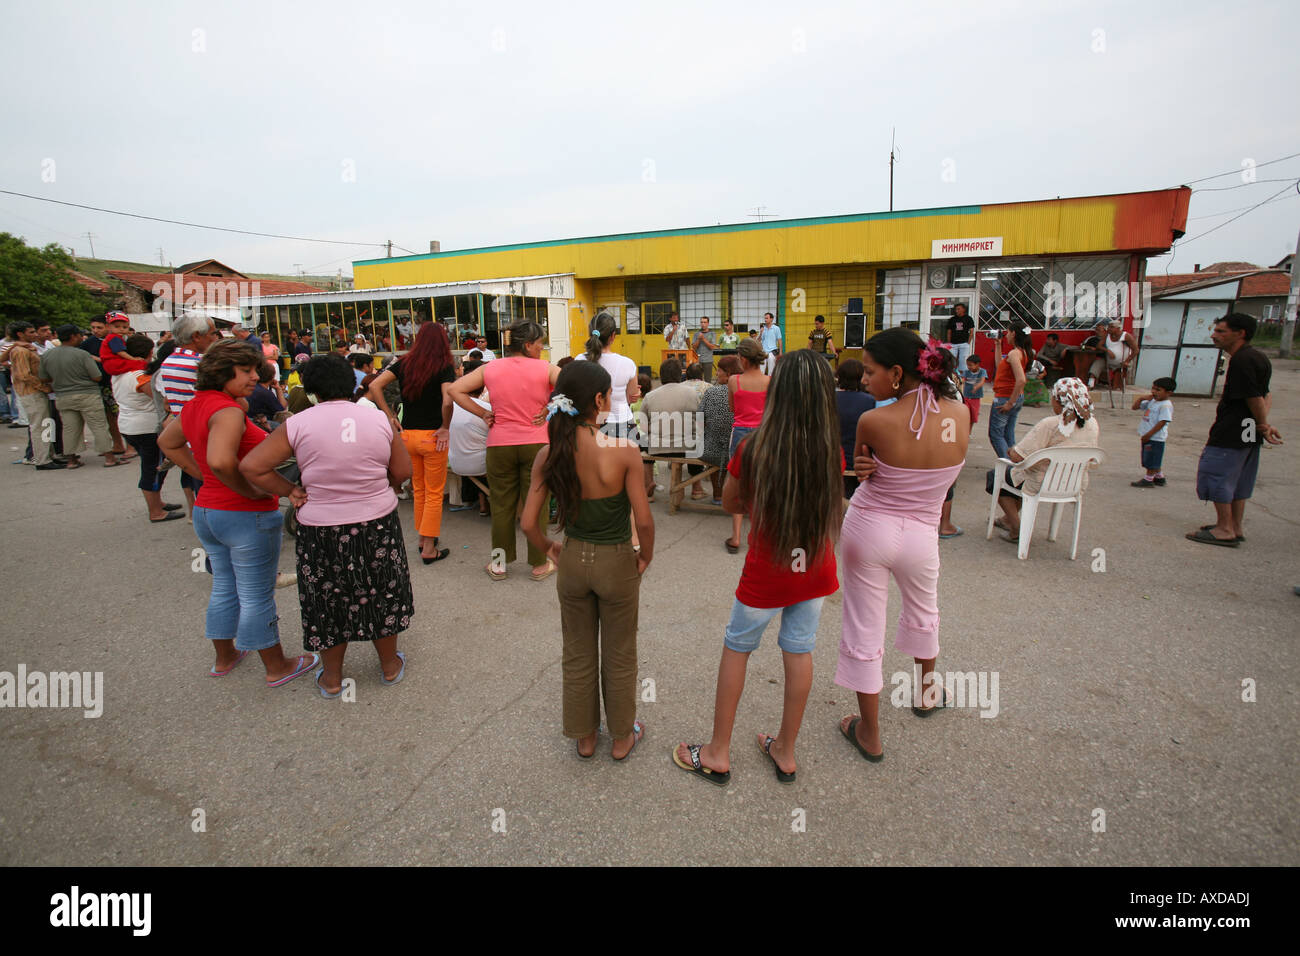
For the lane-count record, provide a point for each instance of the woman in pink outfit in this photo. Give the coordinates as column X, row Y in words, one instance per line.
column 908, row 454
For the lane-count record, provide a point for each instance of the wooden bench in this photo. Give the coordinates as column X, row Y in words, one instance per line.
column 677, row 484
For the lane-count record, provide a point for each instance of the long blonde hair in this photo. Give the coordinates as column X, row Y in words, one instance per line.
column 791, row 466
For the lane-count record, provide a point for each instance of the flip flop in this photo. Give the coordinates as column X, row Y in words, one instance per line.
column 461, row 508
column 323, row 692
column 550, row 569
column 1202, row 536
column 731, row 548
column 115, row 463
column 852, row 734
column 930, row 711
column 172, row 507
column 721, row 778
column 312, row 661
column 400, row 674
column 216, row 673
column 766, row 747
column 495, row 575
column 441, row 554
column 638, row 731
column 169, row 516
column 1207, row 527
column 959, row 531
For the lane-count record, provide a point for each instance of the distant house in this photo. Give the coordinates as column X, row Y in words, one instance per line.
column 206, row 287
column 1260, row 292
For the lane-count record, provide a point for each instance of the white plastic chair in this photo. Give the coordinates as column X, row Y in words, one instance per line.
column 1063, row 483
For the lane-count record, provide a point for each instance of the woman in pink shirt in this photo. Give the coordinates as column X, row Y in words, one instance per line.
column 520, row 384
column 353, row 580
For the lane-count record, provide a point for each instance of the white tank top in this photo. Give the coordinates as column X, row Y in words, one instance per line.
column 1118, row 349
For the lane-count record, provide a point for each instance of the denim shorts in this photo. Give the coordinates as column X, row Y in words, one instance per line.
column 738, row 433
column 798, row 634
column 1227, row 474
column 1153, row 455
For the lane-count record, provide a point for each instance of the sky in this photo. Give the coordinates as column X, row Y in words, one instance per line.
column 487, row 123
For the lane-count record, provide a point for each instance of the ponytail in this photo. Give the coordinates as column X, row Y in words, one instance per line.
column 603, row 328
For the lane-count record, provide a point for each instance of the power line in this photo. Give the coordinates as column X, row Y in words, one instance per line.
column 178, row 222
column 1226, row 212
column 1236, row 171
column 1253, row 182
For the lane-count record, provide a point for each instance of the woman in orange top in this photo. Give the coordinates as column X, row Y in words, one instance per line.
column 1009, row 388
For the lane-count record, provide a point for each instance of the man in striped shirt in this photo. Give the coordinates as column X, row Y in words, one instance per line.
column 179, row 371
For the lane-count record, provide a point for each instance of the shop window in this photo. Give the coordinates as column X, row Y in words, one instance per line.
column 751, row 297
column 654, row 316
column 700, row 299
column 898, row 297
column 1082, row 292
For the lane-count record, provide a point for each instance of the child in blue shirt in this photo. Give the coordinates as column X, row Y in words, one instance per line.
column 972, row 391
column 1157, row 413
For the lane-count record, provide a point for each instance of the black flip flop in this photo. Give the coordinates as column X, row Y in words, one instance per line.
column 930, row 711
column 1207, row 527
column 172, row 507
column 1203, row 536
column 852, row 734
column 731, row 548
column 766, row 747
column 170, row 516
column 442, row 553
column 713, row 776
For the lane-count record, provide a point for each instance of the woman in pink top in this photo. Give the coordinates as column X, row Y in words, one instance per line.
column 748, row 394
column 908, row 454
column 520, row 384
column 353, row 580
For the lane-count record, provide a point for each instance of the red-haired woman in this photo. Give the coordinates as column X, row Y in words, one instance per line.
column 424, row 372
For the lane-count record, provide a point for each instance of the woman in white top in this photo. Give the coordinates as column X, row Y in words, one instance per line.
column 467, row 448
column 625, row 390
column 138, row 420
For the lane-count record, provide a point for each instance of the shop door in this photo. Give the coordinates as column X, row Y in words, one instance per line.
column 557, row 323
column 654, row 319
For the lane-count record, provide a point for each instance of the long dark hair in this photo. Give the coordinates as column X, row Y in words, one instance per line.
column 794, row 457
column 430, row 354
column 1025, row 343
column 603, row 328
column 522, row 333
column 903, row 347
column 581, row 383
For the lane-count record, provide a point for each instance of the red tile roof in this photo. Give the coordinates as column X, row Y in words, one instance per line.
column 216, row 290
column 1266, row 284
column 94, row 285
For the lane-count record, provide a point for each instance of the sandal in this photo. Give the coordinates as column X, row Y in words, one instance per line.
column 731, row 548
column 765, row 745
column 550, row 569
column 494, row 574
column 1207, row 527
column 638, row 731
column 115, row 462
column 719, row 777
column 442, row 553
column 1203, row 536
column 300, row 668
column 851, row 732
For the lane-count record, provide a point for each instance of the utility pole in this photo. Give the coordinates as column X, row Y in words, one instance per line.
column 1292, row 301
column 390, row 249
column 162, row 257
column 91, row 237
column 297, row 268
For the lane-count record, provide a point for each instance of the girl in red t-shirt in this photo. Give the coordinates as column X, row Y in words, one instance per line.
column 787, row 477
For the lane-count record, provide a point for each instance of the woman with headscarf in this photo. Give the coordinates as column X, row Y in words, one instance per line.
column 1071, row 424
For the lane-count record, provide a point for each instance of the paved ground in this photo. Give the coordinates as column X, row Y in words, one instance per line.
column 1120, row 691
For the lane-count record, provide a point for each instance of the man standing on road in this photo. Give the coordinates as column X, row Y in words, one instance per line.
column 75, row 376
column 770, row 338
column 704, row 344
column 1230, row 460
column 31, row 391
column 957, row 336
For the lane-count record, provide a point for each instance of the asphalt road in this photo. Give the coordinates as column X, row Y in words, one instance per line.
column 1120, row 691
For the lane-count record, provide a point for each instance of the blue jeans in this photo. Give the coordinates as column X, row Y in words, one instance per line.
column 244, row 548
column 960, row 352
column 798, row 634
column 1002, row 424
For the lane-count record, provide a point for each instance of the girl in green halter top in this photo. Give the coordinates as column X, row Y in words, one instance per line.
column 597, row 483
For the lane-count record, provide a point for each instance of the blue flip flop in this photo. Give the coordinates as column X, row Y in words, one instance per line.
column 323, row 692
column 400, row 674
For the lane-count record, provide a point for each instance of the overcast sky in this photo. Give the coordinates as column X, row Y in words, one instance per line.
column 486, row 123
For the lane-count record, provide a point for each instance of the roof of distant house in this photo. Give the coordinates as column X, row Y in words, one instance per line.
column 94, row 285
column 215, row 288
column 1255, row 282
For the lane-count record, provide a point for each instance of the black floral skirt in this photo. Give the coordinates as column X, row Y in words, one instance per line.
column 353, row 582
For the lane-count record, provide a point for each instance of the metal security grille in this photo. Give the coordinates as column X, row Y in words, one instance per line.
column 703, row 298
column 654, row 317
column 751, row 296
column 1076, row 292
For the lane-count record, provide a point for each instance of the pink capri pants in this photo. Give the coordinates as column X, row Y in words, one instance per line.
column 874, row 545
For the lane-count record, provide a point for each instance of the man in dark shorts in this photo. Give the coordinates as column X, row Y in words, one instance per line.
column 1230, row 459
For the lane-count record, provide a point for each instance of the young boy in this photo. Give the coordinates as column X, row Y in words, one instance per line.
column 972, row 392
column 1157, row 413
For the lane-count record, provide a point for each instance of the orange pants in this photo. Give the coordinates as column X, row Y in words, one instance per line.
column 428, row 479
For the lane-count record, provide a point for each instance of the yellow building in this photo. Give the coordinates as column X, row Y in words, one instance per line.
column 863, row 272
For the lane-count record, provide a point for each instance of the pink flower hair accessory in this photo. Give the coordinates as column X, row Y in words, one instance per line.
column 932, row 364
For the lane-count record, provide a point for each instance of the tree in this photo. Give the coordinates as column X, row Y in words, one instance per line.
column 37, row 285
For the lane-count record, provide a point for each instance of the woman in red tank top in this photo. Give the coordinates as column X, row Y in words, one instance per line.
column 748, row 394
column 238, row 525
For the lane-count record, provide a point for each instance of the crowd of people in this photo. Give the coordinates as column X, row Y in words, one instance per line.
column 869, row 450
